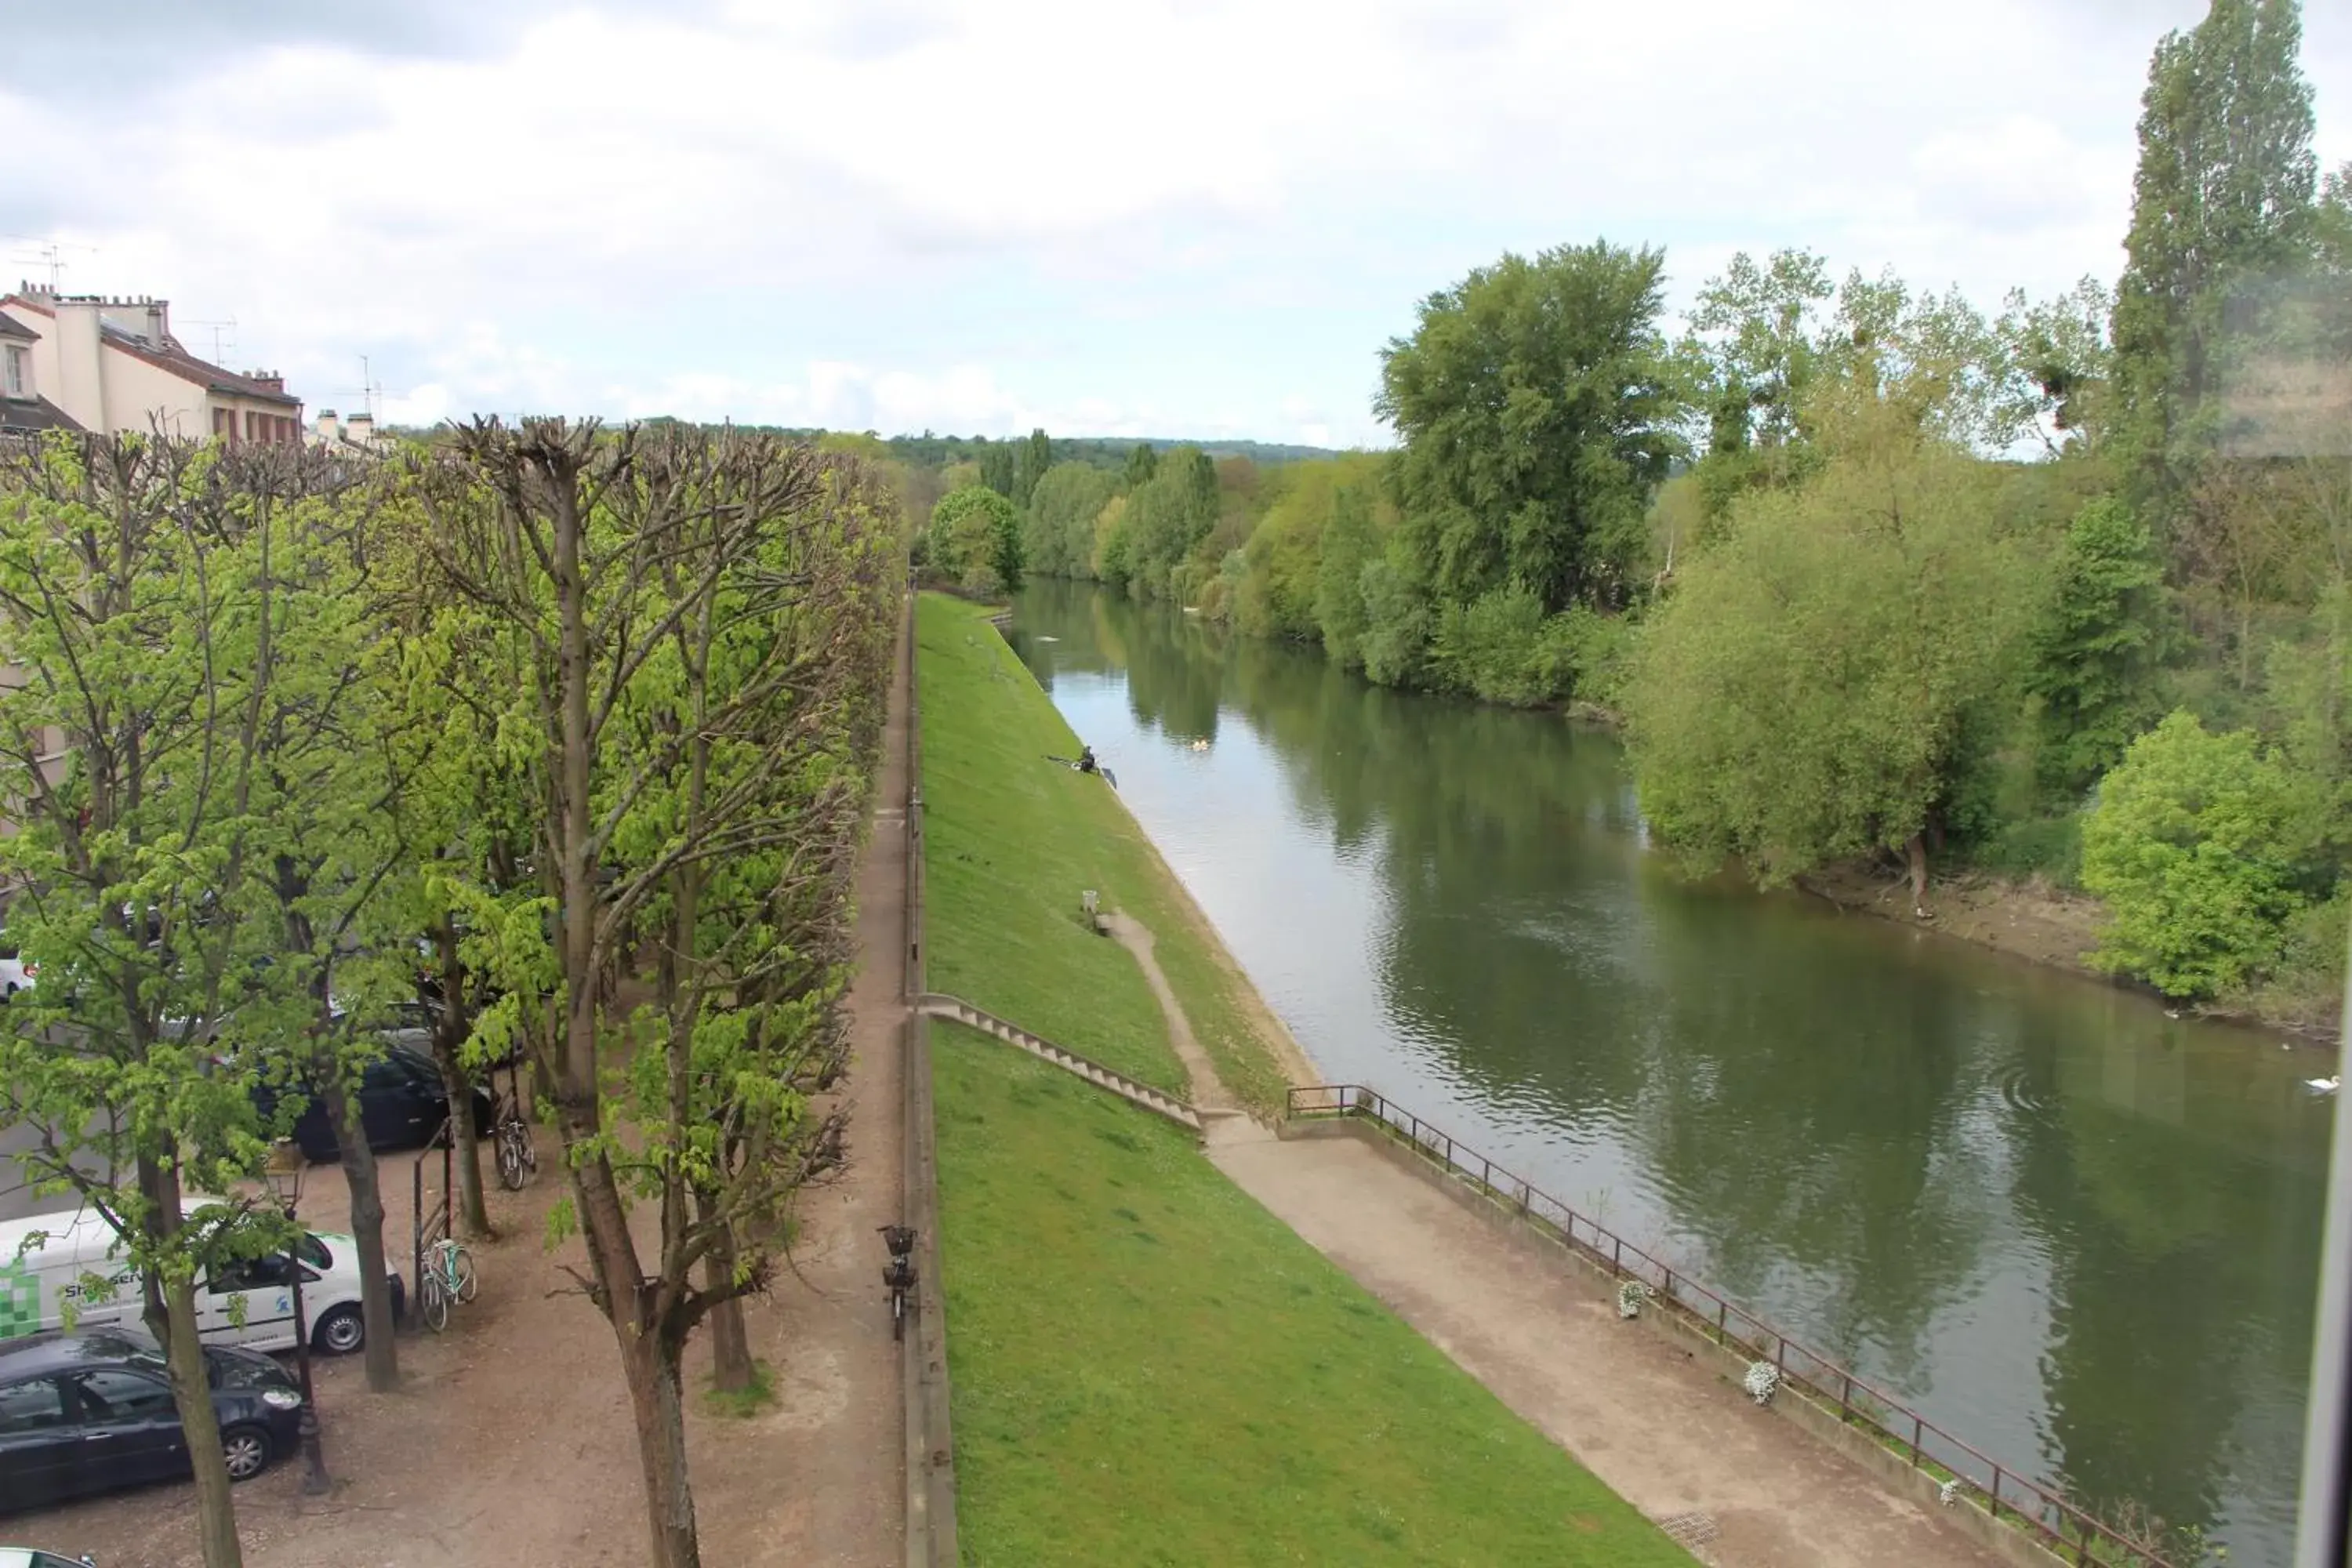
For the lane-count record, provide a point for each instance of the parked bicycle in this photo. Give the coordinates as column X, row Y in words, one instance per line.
column 899, row 1274
column 518, row 1158
column 448, row 1276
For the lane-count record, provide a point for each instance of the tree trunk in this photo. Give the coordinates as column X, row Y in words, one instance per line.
column 448, row 1040
column 732, row 1370
column 1917, row 851
column 171, row 1319
column 382, row 1349
column 651, row 1366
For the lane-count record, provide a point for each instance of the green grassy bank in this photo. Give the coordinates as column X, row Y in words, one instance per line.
column 1148, row 1367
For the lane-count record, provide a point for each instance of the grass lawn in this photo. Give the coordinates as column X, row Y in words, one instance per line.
column 1013, row 840
column 1148, row 1367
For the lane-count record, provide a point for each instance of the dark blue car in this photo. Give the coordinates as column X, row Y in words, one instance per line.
column 92, row 1412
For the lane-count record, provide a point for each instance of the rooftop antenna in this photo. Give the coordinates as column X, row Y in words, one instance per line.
column 48, row 253
column 226, row 325
column 369, row 391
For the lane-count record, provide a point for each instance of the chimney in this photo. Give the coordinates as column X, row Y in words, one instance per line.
column 362, row 429
column 159, row 323
column 329, row 431
column 268, row 378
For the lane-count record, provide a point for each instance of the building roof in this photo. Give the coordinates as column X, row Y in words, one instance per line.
column 12, row 328
column 179, row 362
column 22, row 414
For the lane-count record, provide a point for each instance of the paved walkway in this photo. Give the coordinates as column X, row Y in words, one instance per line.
column 1741, row 1487
column 1668, row 1434
column 834, row 1441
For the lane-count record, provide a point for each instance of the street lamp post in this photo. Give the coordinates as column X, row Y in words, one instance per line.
column 286, row 1186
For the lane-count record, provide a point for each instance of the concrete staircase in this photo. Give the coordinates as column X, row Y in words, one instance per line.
column 1158, row 1102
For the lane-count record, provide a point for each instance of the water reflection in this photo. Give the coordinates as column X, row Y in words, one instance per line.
column 2081, row 1235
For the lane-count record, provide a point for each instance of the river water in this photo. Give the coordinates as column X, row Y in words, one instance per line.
column 2081, row 1235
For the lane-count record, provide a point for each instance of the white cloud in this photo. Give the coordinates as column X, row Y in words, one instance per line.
column 1144, row 219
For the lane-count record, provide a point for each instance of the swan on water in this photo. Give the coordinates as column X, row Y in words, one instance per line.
column 2328, row 1085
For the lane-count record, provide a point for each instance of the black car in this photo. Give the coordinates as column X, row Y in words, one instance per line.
column 93, row 1413
column 402, row 1101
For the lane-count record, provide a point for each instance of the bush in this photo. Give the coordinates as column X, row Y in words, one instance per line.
column 2197, row 844
column 2050, row 847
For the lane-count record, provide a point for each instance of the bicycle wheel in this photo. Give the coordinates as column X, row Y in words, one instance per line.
column 461, row 1265
column 433, row 1298
column 513, row 1151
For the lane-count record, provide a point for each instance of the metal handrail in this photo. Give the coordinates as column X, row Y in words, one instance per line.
column 2061, row 1525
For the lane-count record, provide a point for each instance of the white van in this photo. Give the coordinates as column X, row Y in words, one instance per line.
column 248, row 1303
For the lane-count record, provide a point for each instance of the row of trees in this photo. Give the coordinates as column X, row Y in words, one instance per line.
column 552, row 706
column 1871, row 571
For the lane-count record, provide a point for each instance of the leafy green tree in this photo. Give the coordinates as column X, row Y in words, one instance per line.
column 1171, row 514
column 1060, row 533
column 2222, row 200
column 1142, row 462
column 1538, row 412
column 1800, row 698
column 1749, row 361
column 1033, row 459
column 975, row 538
column 2060, row 363
column 2095, row 654
column 1349, row 545
column 998, row 469
column 702, row 624
column 134, row 599
column 2198, row 845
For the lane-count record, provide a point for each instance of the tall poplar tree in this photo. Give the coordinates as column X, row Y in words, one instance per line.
column 2221, row 203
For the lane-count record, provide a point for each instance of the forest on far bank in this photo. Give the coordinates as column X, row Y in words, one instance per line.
column 2055, row 588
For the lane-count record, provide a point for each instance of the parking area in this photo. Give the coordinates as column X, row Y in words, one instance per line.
column 509, row 1441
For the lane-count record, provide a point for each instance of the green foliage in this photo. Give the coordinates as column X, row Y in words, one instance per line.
column 1349, row 546
column 1801, row 697
column 1060, row 531
column 1535, row 405
column 2199, row 843
column 1032, row 462
column 2221, row 201
column 2095, row 654
column 1141, row 464
column 1167, row 518
column 975, row 539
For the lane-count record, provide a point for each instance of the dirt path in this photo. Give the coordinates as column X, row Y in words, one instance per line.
column 826, row 1463
column 1209, row 1092
column 1667, row 1434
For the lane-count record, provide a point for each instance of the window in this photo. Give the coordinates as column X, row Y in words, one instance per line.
column 248, row 424
column 110, row 1396
column 31, row 1406
column 223, row 426
column 249, row 1274
column 20, row 375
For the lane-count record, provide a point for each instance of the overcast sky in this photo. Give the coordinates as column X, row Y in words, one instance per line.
column 1136, row 218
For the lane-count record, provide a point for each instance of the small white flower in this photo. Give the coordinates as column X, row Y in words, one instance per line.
column 1949, row 1492
column 1762, row 1382
column 1630, row 1297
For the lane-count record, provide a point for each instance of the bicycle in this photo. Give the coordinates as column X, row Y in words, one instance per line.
column 518, row 1158
column 899, row 1274
column 448, row 1276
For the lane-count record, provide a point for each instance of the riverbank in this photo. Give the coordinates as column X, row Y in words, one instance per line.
column 2042, row 924
column 1147, row 1365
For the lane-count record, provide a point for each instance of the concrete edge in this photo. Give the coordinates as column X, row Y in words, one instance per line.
column 930, row 1501
column 2005, row 1541
column 1144, row 1096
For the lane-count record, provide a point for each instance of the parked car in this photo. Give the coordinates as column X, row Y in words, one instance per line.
column 248, row 1302
column 31, row 1557
column 15, row 975
column 402, row 1102
column 82, row 1414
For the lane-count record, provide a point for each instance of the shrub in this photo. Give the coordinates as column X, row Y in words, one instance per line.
column 2197, row 845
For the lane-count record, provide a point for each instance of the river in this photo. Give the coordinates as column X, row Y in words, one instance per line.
column 2081, row 1235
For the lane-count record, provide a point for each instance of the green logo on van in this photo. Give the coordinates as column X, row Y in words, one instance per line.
column 20, row 1300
